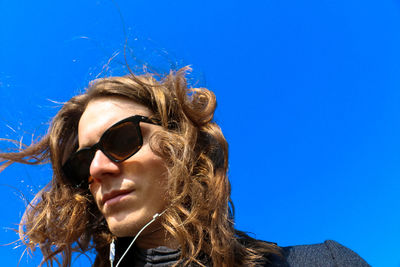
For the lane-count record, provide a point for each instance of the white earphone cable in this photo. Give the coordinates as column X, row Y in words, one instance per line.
column 112, row 245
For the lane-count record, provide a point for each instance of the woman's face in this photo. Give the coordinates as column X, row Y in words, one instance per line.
column 131, row 192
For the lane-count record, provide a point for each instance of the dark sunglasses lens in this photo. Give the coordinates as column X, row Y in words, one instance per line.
column 77, row 168
column 122, row 141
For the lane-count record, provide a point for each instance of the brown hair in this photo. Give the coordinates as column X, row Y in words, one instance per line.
column 63, row 219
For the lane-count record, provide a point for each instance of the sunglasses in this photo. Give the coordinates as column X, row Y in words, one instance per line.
column 119, row 142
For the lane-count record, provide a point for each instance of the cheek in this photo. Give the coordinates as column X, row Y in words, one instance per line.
column 157, row 167
column 94, row 190
column 149, row 159
column 155, row 172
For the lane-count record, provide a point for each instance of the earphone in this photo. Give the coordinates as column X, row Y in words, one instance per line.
column 112, row 245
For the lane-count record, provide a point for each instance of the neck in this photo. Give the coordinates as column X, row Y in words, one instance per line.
column 155, row 237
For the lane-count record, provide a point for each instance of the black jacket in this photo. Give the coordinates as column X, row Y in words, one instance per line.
column 327, row 254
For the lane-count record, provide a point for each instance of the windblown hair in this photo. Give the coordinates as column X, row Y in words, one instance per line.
column 63, row 219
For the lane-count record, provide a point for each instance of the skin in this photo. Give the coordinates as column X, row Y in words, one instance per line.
column 139, row 181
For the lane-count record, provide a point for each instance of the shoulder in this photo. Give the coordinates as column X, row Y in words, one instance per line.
column 327, row 254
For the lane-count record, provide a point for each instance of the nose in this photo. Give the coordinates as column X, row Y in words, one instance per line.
column 102, row 167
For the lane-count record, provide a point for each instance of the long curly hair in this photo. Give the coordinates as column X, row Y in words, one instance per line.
column 63, row 219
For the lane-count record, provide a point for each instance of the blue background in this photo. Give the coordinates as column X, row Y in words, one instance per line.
column 308, row 98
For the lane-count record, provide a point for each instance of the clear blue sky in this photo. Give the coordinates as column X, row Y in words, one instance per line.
column 308, row 97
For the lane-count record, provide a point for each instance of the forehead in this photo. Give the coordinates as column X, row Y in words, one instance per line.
column 101, row 113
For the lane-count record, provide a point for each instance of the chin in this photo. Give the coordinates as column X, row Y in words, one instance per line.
column 127, row 225
column 124, row 231
column 123, row 228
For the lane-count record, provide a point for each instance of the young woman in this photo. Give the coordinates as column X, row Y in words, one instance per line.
column 140, row 175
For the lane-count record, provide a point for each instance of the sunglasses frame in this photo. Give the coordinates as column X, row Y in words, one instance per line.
column 136, row 119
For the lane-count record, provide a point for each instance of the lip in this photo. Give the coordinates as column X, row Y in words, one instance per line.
column 114, row 196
